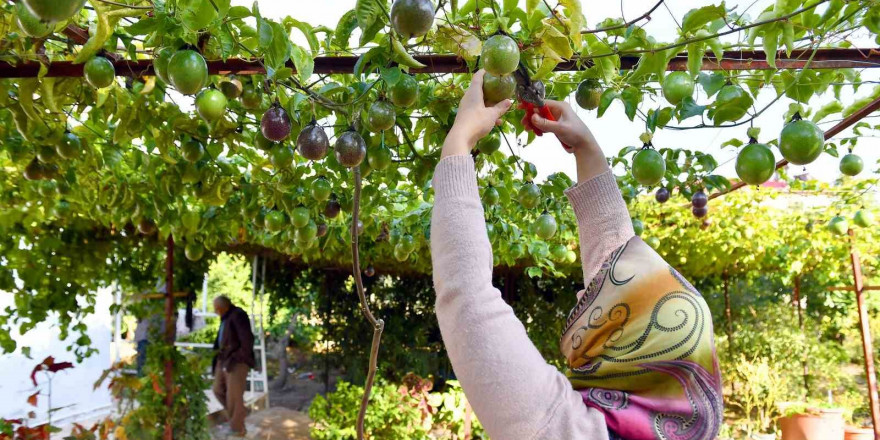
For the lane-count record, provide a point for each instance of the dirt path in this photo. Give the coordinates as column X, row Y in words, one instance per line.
column 271, row 424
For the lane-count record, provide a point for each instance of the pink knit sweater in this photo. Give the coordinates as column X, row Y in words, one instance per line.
column 515, row 393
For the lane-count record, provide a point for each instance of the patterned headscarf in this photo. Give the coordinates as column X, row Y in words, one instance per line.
column 640, row 349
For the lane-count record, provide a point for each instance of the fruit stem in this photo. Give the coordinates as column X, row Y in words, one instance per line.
column 796, row 116
column 378, row 324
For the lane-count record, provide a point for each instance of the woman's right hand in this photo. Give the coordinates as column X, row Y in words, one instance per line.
column 572, row 131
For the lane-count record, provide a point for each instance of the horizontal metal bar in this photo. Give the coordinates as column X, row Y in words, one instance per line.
column 831, row 58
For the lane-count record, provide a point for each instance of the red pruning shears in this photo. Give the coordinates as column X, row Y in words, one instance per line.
column 531, row 99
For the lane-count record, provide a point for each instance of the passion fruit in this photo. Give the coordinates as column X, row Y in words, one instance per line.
column 638, row 227
column 838, row 225
column 677, row 86
column 47, row 154
column 99, row 72
column 231, row 87
column 300, row 217
column 275, row 221
column 863, row 218
column 381, row 116
column 529, row 195
column 379, row 158
column 699, row 199
column 275, row 123
column 69, row 146
column 405, row 92
column 312, row 142
column 192, row 150
column 851, row 165
column 412, row 18
column 52, row 11
column 30, row 25
column 700, row 212
column 545, row 226
column 188, row 71
column 322, row 230
column 755, row 164
column 321, row 189
column 146, row 226
column 194, row 251
column 648, row 167
column 262, row 143
column 587, row 95
column 497, row 88
column 281, row 157
column 211, row 104
column 350, row 149
column 662, row 195
column 160, row 63
column 34, row 170
column 489, row 144
column 332, row 208
column 801, row 142
column 500, row 55
column 251, row 98
column 491, row 196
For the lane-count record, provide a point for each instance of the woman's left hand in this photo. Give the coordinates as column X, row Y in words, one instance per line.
column 474, row 119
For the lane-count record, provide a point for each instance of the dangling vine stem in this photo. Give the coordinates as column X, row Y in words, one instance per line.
column 378, row 324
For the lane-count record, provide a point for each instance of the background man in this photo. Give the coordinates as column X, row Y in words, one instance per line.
column 235, row 357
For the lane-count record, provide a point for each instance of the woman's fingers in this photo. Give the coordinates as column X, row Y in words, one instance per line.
column 545, row 124
column 474, row 93
column 501, row 108
column 558, row 108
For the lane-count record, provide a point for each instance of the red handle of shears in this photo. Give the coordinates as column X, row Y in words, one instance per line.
column 544, row 112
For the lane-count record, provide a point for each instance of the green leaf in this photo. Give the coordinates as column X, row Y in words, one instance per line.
column 788, row 37
column 307, row 31
column 198, row 14
column 711, row 82
column 697, row 18
column 391, row 75
column 303, row 62
column 344, row 28
column 688, row 108
column 771, row 44
column 828, row 109
column 696, row 51
column 278, row 50
column 608, row 96
column 369, row 12
column 531, row 5
column 631, row 98
column 236, row 12
column 459, row 41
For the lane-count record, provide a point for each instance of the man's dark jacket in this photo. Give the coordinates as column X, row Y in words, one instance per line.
column 237, row 346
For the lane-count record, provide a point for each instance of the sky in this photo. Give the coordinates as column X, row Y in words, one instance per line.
column 614, row 131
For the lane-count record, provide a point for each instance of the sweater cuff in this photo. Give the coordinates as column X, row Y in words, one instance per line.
column 598, row 197
column 455, row 176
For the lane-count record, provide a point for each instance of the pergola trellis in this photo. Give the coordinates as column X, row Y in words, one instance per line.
column 829, row 58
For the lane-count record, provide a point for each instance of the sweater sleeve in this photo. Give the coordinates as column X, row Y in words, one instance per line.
column 603, row 220
column 515, row 393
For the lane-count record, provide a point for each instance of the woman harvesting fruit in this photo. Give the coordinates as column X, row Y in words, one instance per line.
column 641, row 358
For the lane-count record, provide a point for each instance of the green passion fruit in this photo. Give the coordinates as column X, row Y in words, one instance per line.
column 863, row 218
column 211, row 104
column 188, row 71
column 69, row 146
column 405, row 92
column 498, row 88
column 251, row 98
column 648, row 167
column 321, row 189
column 381, row 116
column 545, row 226
column 31, row 25
column 281, row 157
column 160, row 63
column 529, row 195
column 312, row 142
column 838, row 225
column 47, row 154
column 194, row 251
column 677, row 86
column 755, row 164
column 379, row 158
column 638, row 227
column 262, row 143
column 851, row 165
column 350, row 149
column 52, row 11
column 275, row 221
column 275, row 123
column 500, row 55
column 300, row 217
column 192, row 150
column 801, row 142
column 99, row 72
column 412, row 18
column 489, row 144
column 307, row 233
column 558, row 253
column 587, row 95
column 491, row 196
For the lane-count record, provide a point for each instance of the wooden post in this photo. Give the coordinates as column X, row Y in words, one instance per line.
column 800, row 315
column 170, row 329
column 864, row 326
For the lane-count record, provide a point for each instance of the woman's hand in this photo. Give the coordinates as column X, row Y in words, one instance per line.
column 572, row 131
column 474, row 120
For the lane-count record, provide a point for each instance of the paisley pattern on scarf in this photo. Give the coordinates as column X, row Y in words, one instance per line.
column 640, row 349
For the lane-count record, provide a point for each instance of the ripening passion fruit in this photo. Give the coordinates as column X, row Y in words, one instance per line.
column 312, row 142
column 275, row 123
column 497, row 88
column 412, row 18
column 699, row 199
column 332, row 208
column 211, row 104
column 381, row 116
column 350, row 149
column 755, row 164
column 188, row 71
column 52, row 11
column 662, row 195
column 99, row 72
column 405, row 92
column 648, row 167
column 31, row 25
column 146, row 226
column 231, row 87
column 34, row 170
column 500, row 55
column 801, row 142
column 677, row 86
column 587, row 95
